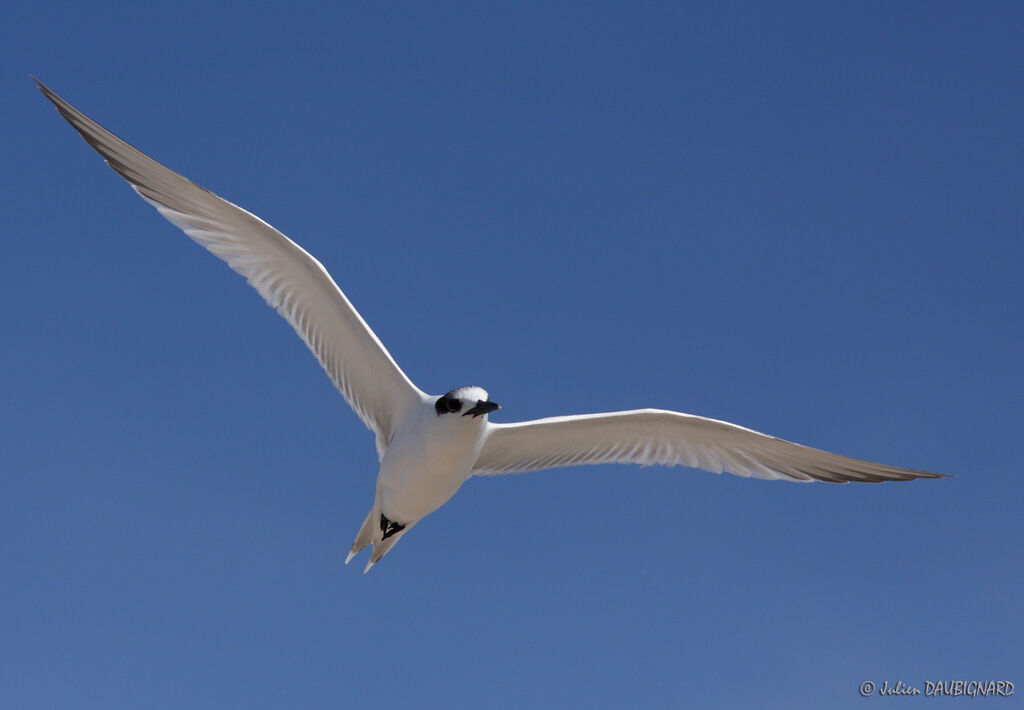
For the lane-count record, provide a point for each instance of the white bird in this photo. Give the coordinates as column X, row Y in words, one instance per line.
column 429, row 445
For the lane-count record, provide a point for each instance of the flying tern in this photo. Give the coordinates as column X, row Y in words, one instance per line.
column 429, row 445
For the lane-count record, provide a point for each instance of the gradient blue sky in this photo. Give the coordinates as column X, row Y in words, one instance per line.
column 801, row 217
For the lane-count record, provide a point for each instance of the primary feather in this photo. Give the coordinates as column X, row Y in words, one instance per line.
column 655, row 436
column 287, row 277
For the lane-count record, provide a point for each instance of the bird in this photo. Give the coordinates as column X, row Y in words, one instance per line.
column 429, row 445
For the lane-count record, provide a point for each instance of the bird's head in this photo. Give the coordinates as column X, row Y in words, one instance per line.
column 466, row 402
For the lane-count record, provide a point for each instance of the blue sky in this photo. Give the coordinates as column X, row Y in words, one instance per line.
column 804, row 218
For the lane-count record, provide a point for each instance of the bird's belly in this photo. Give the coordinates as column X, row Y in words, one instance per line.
column 416, row 480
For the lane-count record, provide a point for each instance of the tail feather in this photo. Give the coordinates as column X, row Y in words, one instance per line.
column 381, row 547
column 371, row 534
column 364, row 537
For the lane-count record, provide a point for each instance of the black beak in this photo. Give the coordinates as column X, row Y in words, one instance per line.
column 482, row 407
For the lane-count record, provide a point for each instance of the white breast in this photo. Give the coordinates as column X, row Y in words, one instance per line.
column 428, row 460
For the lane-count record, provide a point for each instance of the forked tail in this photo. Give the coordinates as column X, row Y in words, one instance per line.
column 379, row 532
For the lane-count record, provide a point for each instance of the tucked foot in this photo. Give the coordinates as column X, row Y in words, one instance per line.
column 389, row 527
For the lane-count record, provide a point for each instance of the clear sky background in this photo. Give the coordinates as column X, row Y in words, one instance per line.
column 804, row 218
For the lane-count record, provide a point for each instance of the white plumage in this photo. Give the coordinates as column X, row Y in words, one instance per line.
column 429, row 446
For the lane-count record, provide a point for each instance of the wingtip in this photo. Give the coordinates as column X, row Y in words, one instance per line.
column 49, row 93
column 41, row 86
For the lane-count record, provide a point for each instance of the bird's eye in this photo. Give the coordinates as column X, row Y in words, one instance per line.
column 447, row 405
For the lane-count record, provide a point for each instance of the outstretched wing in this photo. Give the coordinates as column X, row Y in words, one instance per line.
column 287, row 277
column 655, row 436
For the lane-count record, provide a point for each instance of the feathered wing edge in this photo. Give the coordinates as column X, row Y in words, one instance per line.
column 653, row 436
column 285, row 275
